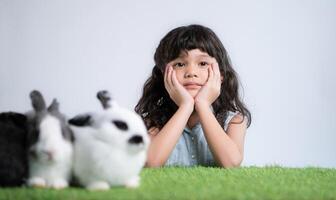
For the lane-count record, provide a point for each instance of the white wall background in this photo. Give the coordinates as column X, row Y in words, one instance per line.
column 284, row 52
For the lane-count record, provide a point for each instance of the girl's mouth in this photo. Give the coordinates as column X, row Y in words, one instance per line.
column 192, row 86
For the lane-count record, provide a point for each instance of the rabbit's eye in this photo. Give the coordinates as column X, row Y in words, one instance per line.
column 120, row 125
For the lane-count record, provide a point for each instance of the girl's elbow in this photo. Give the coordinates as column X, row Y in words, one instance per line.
column 233, row 163
column 236, row 164
column 153, row 163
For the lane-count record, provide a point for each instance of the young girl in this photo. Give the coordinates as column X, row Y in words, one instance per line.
column 191, row 104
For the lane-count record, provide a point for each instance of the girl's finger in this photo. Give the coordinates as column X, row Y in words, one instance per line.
column 166, row 76
column 169, row 78
column 216, row 68
column 211, row 74
column 216, row 71
column 174, row 79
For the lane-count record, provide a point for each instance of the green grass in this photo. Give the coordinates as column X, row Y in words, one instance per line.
column 272, row 182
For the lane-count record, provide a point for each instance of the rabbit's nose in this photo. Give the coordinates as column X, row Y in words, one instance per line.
column 49, row 154
column 136, row 139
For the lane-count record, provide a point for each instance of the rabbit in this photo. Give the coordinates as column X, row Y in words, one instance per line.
column 13, row 156
column 49, row 145
column 110, row 146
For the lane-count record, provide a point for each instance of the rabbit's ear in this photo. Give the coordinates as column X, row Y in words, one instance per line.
column 81, row 120
column 104, row 98
column 54, row 106
column 37, row 100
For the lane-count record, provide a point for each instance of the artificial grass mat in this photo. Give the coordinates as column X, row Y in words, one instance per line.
column 270, row 182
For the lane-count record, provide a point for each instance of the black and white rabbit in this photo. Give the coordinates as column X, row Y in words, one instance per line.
column 13, row 156
column 110, row 147
column 50, row 145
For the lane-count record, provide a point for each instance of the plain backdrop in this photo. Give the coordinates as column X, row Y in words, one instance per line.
column 284, row 52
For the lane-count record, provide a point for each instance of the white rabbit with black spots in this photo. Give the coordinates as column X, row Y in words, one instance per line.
column 110, row 146
column 50, row 145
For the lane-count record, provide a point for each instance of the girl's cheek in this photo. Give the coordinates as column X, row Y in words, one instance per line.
column 179, row 77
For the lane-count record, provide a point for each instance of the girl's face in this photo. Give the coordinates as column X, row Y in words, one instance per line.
column 192, row 70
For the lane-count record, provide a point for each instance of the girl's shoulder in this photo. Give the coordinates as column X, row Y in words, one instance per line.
column 229, row 116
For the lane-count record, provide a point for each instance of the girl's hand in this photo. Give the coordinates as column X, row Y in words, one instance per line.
column 175, row 90
column 211, row 90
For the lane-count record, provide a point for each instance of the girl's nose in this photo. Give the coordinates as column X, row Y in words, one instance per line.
column 190, row 72
column 190, row 75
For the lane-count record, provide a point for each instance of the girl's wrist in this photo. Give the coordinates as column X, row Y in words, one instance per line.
column 201, row 105
column 188, row 107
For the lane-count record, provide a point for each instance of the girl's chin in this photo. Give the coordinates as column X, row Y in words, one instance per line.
column 193, row 93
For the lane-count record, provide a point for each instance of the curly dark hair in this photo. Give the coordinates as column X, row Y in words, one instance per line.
column 156, row 107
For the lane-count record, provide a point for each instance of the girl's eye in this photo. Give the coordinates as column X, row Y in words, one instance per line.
column 204, row 63
column 179, row 64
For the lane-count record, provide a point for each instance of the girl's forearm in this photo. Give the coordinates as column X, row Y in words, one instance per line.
column 225, row 151
column 163, row 143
